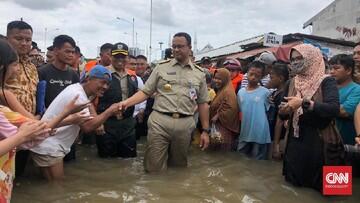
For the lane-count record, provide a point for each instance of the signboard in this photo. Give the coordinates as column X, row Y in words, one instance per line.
column 272, row 40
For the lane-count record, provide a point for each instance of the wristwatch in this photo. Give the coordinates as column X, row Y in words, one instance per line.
column 306, row 104
column 207, row 130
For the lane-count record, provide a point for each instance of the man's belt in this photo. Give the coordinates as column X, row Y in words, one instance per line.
column 175, row 115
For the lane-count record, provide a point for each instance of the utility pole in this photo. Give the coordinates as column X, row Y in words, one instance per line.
column 150, row 30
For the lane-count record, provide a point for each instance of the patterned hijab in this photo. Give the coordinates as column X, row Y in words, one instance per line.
column 308, row 81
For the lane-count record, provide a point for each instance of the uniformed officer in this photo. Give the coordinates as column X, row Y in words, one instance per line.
column 179, row 87
column 119, row 139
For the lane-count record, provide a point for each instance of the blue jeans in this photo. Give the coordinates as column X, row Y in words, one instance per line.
column 254, row 150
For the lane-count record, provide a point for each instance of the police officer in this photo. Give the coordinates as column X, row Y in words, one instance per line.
column 179, row 87
column 119, row 139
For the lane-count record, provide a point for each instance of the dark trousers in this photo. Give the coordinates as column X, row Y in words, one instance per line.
column 140, row 129
column 72, row 154
column 108, row 146
column 21, row 159
column 119, row 139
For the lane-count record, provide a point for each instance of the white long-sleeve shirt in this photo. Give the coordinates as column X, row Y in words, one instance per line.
column 142, row 105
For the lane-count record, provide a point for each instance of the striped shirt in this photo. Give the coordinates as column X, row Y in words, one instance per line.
column 264, row 81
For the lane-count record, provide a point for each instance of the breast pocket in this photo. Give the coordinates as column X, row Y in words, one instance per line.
column 167, row 84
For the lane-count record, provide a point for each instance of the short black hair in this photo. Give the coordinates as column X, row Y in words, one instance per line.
column 132, row 57
column 60, row 40
column 141, row 57
column 77, row 50
column 50, row 48
column 37, row 48
column 34, row 45
column 186, row 35
column 168, row 53
column 281, row 69
column 343, row 59
column 105, row 47
column 18, row 24
column 257, row 64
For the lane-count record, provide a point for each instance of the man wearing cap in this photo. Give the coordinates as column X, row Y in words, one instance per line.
column 49, row 154
column 268, row 59
column 119, row 139
column 206, row 64
column 180, row 86
column 234, row 67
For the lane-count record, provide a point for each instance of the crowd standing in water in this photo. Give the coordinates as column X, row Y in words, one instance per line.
column 267, row 109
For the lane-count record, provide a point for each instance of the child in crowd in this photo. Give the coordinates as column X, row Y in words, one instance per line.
column 279, row 75
column 253, row 103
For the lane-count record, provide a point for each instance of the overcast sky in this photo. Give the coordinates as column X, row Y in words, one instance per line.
column 218, row 22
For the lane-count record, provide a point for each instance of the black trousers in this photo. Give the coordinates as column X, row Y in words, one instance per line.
column 21, row 159
column 141, row 129
column 109, row 147
column 72, row 154
column 119, row 139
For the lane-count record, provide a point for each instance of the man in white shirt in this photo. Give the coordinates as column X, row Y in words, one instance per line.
column 50, row 153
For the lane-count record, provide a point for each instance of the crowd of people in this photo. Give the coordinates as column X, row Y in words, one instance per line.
column 301, row 112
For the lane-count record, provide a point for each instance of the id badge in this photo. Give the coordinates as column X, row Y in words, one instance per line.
column 192, row 93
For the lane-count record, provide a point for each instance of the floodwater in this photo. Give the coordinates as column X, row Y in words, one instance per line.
column 211, row 177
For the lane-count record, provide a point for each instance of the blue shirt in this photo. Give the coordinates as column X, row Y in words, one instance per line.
column 349, row 99
column 254, row 124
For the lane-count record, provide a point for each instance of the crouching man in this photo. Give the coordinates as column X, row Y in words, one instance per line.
column 50, row 153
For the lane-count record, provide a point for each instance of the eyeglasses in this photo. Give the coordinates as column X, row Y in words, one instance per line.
column 299, row 58
column 178, row 46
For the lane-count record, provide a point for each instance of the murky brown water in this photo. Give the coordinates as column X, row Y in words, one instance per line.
column 211, row 177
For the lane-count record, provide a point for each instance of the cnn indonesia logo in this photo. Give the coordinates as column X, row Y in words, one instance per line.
column 337, row 180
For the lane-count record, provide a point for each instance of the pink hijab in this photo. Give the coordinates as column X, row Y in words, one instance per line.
column 309, row 80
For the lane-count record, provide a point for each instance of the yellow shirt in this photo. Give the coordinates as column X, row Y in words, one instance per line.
column 211, row 93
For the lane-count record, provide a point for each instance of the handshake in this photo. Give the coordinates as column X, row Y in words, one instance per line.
column 117, row 109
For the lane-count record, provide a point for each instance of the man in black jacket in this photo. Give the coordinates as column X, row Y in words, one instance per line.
column 119, row 139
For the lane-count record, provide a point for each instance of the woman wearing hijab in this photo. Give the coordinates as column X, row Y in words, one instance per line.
column 312, row 105
column 224, row 110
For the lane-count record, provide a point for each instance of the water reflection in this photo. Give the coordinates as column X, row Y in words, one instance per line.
column 210, row 178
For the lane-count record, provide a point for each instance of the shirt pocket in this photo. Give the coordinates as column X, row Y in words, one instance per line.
column 167, row 84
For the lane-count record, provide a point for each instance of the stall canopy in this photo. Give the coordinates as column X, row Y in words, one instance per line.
column 282, row 52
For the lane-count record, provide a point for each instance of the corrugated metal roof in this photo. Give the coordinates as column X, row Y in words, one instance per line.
column 229, row 49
